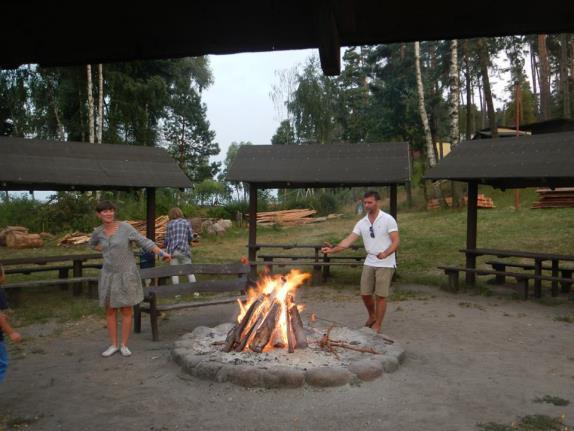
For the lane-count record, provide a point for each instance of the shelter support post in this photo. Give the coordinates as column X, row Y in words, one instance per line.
column 471, row 230
column 393, row 200
column 252, row 225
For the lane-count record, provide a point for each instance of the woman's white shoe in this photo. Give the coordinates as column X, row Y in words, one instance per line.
column 110, row 351
column 125, row 351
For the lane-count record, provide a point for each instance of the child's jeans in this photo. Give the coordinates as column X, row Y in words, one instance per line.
column 3, row 360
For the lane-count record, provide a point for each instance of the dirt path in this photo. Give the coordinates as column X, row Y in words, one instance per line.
column 470, row 359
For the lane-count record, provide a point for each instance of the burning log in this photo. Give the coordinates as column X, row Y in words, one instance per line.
column 234, row 335
column 264, row 332
column 296, row 325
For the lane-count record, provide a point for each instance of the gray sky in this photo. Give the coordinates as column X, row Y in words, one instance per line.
column 239, row 107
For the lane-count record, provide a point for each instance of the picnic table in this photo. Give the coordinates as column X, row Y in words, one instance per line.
column 537, row 258
column 320, row 262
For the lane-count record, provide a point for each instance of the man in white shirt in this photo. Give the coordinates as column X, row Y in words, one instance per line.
column 381, row 239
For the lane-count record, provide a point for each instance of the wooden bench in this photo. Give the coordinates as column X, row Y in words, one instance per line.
column 13, row 290
column 501, row 266
column 522, row 278
column 150, row 304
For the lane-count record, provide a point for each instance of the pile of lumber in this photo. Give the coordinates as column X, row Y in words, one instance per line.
column 71, row 239
column 557, row 198
column 160, row 228
column 482, row 201
column 288, row 217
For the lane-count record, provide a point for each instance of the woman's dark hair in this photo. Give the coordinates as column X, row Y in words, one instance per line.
column 105, row 205
column 372, row 194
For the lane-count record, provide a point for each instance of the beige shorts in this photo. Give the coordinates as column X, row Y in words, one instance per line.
column 376, row 280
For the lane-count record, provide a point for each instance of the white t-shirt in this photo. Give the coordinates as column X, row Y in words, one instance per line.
column 382, row 227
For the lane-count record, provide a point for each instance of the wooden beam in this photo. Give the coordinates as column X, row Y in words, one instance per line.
column 393, row 199
column 252, row 224
column 329, row 42
column 150, row 212
column 471, row 230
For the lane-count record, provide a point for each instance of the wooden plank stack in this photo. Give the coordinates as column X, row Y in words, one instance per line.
column 160, row 228
column 557, row 198
column 288, row 217
column 71, row 239
column 482, row 202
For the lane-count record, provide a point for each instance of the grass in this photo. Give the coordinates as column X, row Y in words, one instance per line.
column 567, row 319
column 550, row 399
column 428, row 239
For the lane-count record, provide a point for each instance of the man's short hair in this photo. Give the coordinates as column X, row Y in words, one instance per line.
column 105, row 205
column 372, row 194
column 175, row 213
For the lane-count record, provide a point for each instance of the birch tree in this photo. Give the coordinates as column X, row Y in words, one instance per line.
column 90, row 105
column 100, row 102
column 424, row 118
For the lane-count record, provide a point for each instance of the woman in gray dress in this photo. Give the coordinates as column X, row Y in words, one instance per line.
column 120, row 286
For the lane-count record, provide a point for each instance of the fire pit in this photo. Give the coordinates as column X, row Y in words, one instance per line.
column 269, row 346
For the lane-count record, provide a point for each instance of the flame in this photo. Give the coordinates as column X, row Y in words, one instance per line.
column 274, row 287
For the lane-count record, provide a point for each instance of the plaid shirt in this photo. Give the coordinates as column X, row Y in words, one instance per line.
column 178, row 236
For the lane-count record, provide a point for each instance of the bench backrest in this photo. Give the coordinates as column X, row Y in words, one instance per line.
column 237, row 284
column 238, row 269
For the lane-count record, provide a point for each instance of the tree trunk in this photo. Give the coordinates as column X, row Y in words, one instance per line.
column 534, row 72
column 564, row 83
column 90, row 105
column 482, row 107
column 453, row 109
column 100, row 102
column 544, row 78
column 484, row 60
column 422, row 110
column 424, row 118
column 468, row 92
column 81, row 113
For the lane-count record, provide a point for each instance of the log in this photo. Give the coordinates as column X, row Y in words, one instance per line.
column 291, row 340
column 234, row 335
column 297, row 326
column 245, row 338
column 264, row 332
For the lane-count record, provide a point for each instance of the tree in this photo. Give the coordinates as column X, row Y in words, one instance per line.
column 314, row 106
column 285, row 134
column 544, row 78
column 424, row 118
column 91, row 127
column 237, row 186
column 484, row 60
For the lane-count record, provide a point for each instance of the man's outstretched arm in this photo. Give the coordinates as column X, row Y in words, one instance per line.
column 343, row 245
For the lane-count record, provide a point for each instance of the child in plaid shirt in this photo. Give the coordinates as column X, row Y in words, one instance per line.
column 178, row 238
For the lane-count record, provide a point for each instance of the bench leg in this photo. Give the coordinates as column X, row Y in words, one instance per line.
column 566, row 286
column 316, row 276
column 137, row 319
column 538, row 283
column 452, row 280
column 522, row 284
column 554, row 274
column 153, row 317
column 77, row 287
column 63, row 274
column 499, row 279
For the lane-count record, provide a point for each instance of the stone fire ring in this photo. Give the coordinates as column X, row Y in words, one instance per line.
column 200, row 354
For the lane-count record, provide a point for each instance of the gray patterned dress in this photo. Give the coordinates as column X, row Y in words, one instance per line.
column 120, row 284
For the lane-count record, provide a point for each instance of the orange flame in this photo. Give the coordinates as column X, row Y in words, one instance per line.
column 274, row 287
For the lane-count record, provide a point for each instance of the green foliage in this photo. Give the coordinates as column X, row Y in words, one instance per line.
column 285, row 135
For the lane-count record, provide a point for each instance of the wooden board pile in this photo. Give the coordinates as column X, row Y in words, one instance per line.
column 288, row 217
column 482, row 201
column 160, row 228
column 557, row 198
column 71, row 239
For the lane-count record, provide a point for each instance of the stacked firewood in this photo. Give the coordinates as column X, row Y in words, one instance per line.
column 259, row 324
column 557, row 198
column 482, row 201
column 160, row 228
column 19, row 237
column 72, row 239
column 288, row 217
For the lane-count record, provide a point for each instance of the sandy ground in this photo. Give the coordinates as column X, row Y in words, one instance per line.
column 470, row 359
